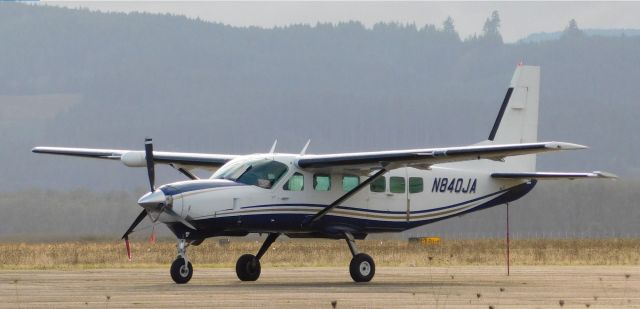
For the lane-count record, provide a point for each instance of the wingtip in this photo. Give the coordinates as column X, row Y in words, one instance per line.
column 565, row 146
column 607, row 175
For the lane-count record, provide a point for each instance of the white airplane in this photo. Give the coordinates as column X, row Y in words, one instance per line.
column 344, row 195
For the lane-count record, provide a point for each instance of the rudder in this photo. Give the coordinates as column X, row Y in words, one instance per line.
column 517, row 120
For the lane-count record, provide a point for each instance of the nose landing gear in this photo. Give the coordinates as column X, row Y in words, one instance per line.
column 181, row 268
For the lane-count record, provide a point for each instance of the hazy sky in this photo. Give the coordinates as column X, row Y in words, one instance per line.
column 518, row 18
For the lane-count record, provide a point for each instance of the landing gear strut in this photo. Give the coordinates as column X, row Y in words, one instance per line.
column 181, row 268
column 362, row 268
column 248, row 265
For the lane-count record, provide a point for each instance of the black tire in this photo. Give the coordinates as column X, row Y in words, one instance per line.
column 248, row 268
column 362, row 268
column 179, row 273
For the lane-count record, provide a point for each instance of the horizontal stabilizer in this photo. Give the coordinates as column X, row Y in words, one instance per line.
column 552, row 175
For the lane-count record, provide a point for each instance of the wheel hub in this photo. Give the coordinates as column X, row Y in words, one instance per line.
column 365, row 268
column 184, row 271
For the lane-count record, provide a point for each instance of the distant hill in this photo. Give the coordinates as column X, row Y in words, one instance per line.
column 80, row 78
column 547, row 36
column 107, row 80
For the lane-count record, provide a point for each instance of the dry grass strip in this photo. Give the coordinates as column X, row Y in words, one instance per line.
column 295, row 253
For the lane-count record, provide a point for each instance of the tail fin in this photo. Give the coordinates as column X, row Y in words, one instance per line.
column 517, row 121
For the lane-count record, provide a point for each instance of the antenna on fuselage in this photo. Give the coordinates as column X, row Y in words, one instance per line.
column 304, row 149
column 273, row 148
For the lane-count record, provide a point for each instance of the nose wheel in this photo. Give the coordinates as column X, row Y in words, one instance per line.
column 181, row 269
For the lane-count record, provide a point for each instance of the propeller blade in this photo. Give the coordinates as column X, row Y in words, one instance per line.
column 126, row 244
column 134, row 224
column 148, row 151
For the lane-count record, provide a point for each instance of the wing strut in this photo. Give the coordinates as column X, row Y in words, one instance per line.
column 185, row 172
column 347, row 195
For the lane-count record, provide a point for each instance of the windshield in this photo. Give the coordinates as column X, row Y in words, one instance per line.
column 263, row 173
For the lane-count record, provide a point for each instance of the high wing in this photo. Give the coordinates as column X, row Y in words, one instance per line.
column 364, row 162
column 553, row 175
column 134, row 158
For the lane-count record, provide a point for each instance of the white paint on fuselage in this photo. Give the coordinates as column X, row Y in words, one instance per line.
column 385, row 206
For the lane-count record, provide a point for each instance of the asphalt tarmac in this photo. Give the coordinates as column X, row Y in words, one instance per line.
column 330, row 287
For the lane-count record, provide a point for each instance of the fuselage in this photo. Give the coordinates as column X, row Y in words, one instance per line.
column 237, row 201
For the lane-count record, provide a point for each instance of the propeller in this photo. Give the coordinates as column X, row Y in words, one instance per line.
column 152, row 199
column 148, row 149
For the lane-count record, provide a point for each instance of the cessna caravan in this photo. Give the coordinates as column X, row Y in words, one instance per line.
column 341, row 195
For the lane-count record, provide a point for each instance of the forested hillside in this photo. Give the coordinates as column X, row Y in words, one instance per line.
column 107, row 80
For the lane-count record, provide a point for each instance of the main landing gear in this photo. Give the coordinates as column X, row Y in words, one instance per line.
column 362, row 268
column 181, row 268
column 248, row 265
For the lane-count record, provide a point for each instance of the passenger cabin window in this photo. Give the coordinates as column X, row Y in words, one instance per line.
column 321, row 182
column 295, row 183
column 416, row 184
column 378, row 185
column 349, row 182
column 397, row 184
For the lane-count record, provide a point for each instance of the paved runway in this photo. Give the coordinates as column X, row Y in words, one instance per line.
column 393, row 287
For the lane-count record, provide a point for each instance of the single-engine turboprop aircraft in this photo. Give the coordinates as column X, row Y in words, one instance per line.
column 344, row 195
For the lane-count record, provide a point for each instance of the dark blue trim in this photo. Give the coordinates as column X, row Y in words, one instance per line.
column 503, row 107
column 194, row 185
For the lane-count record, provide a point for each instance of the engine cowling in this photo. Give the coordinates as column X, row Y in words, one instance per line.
column 134, row 159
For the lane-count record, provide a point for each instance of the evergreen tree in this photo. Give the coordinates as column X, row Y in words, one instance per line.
column 490, row 30
column 449, row 29
column 572, row 30
column 448, row 26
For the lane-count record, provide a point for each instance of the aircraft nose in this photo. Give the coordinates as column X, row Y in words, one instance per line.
column 152, row 199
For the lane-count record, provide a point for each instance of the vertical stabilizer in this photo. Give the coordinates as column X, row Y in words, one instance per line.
column 517, row 120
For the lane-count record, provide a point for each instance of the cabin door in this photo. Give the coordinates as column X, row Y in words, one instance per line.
column 388, row 196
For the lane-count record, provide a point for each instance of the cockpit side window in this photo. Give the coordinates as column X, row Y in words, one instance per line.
column 263, row 174
column 295, row 183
